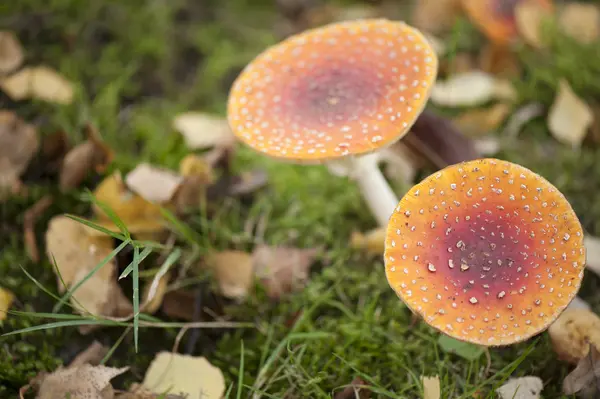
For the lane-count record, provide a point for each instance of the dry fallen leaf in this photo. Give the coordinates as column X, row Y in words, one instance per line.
column 584, row 378
column 154, row 184
column 80, row 382
column 569, row 117
column 529, row 18
column 41, row 82
column 355, row 390
column 573, row 332
column 93, row 354
column 478, row 121
column 435, row 16
column 431, row 387
column 19, row 142
column 11, row 52
column 136, row 391
column 194, row 165
column 282, row 269
column 92, row 154
column 140, row 216
column 529, row 387
column 182, row 374
column 154, row 292
column 234, row 272
column 372, row 242
column 499, row 61
column 76, row 254
column 202, row 130
column 6, row 300
column 465, row 89
column 581, row 21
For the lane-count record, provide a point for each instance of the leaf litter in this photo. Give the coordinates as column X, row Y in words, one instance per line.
column 569, row 117
column 11, row 52
column 39, row 82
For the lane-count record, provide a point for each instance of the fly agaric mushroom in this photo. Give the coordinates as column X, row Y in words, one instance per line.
column 486, row 251
column 496, row 18
column 343, row 90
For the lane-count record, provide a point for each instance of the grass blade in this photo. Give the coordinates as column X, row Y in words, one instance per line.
column 136, row 295
column 135, row 262
column 69, row 323
column 95, row 226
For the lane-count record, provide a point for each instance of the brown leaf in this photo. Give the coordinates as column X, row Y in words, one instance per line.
column 282, row 269
column 592, row 251
column 93, row 354
column 154, row 293
column 435, row 16
column 18, row 142
column 581, row 21
column 476, row 122
column 248, row 182
column 436, row 139
column 41, row 82
column 30, row 218
column 81, row 382
column 499, row 61
column 354, row 390
column 573, row 332
column 234, row 272
column 585, row 375
column 11, row 52
column 157, row 185
column 90, row 155
column 569, row 117
column 179, row 304
column 76, row 254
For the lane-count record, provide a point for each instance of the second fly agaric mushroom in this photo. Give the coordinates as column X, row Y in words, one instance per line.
column 343, row 90
column 496, row 18
column 485, row 251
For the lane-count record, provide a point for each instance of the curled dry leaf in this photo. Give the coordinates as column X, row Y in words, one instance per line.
column 529, row 387
column 194, row 165
column 11, row 52
column 92, row 154
column 6, row 300
column 183, row 375
column 464, row 90
column 154, row 184
column 154, row 292
column 202, row 130
column 197, row 175
column 41, row 82
column 583, row 379
column 573, row 333
column 431, row 387
column 476, row 122
column 234, row 272
column 521, row 117
column 581, row 21
column 570, row 117
column 529, row 18
column 80, row 382
column 435, row 16
column 499, row 61
column 140, row 216
column 93, row 354
column 355, row 390
column 19, row 142
column 76, row 254
column 282, row 269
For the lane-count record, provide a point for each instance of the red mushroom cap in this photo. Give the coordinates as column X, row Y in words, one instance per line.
column 345, row 88
column 485, row 251
column 496, row 18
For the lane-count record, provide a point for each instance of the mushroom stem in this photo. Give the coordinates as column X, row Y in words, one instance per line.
column 374, row 188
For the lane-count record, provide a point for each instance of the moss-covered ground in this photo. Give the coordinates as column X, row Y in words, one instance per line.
column 138, row 63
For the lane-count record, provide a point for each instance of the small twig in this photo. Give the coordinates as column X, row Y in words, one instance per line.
column 31, row 216
column 178, row 339
column 488, row 357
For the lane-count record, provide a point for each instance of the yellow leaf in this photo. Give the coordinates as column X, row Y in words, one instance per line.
column 178, row 374
column 573, row 332
column 373, row 241
column 476, row 122
column 529, row 17
column 435, row 16
column 6, row 300
column 570, row 117
column 234, row 272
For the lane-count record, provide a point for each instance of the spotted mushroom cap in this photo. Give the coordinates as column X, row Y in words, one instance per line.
column 485, row 251
column 496, row 18
column 346, row 88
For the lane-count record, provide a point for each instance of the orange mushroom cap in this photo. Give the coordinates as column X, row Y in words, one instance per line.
column 485, row 251
column 496, row 18
column 345, row 88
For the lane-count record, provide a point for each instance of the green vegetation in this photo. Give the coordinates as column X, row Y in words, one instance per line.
column 137, row 64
